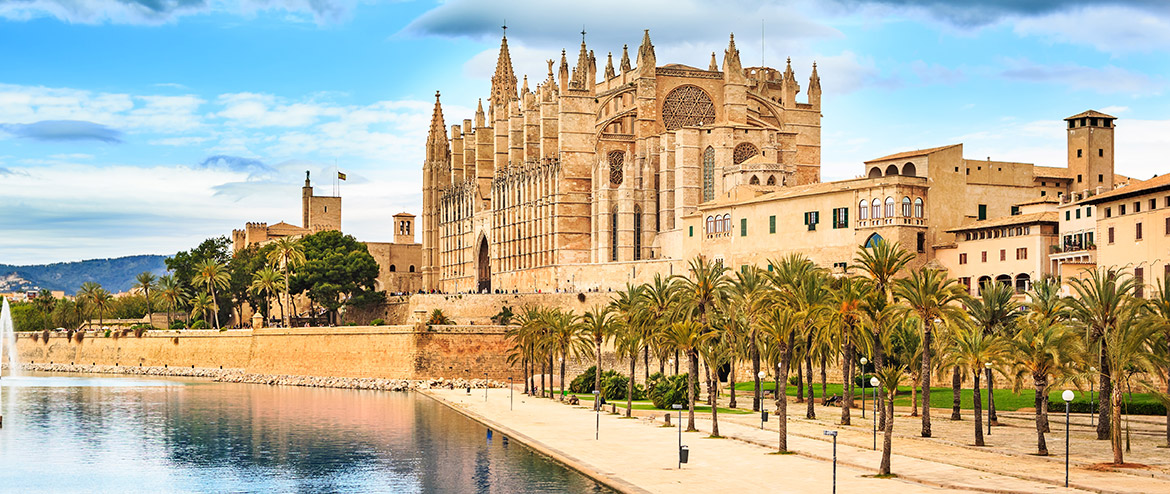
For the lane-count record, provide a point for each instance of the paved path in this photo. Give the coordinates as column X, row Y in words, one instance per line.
column 638, row 455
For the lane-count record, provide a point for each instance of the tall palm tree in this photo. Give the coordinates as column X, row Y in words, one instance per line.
column 598, row 326
column 523, row 337
column 890, row 377
column 85, row 294
column 145, row 282
column 749, row 295
column 201, row 303
column 687, row 336
column 1045, row 351
column 715, row 350
column 844, row 315
column 779, row 327
column 1127, row 346
column 628, row 344
column 1159, row 306
column 214, row 275
column 1101, row 297
column 567, row 339
column 658, row 297
column 102, row 300
column 1045, row 299
column 287, row 253
column 172, row 293
column 933, row 298
column 993, row 312
column 266, row 282
column 702, row 293
column 969, row 349
column 882, row 262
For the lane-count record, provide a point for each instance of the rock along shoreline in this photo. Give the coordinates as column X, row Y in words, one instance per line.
column 241, row 377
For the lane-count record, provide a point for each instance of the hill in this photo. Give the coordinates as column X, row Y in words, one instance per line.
column 115, row 275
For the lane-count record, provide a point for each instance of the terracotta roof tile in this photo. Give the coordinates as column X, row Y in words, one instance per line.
column 1132, row 189
column 911, row 154
column 1019, row 219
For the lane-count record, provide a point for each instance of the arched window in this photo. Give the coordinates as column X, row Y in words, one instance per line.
column 1023, row 283
column 906, row 207
column 613, row 235
column 891, row 170
column 412, row 268
column 983, row 281
column 877, row 208
column 771, row 180
column 754, row 181
column 889, row 207
column 875, row 172
column 863, row 210
column 918, row 207
column 710, row 225
column 872, row 240
column 616, row 158
column 708, row 174
column 637, row 232
column 726, row 223
column 687, row 106
column 392, row 268
column 909, row 170
column 744, row 151
column 1005, row 279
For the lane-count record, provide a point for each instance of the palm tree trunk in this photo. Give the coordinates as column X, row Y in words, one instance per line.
column 693, row 364
column 824, row 380
column 956, row 393
column 887, row 437
column 781, row 399
column 846, row 384
column 596, row 402
column 710, row 386
column 927, row 342
column 810, row 411
column 731, row 382
column 799, row 383
column 149, row 312
column 1044, row 401
column 288, row 297
column 755, row 351
column 1168, row 414
column 1041, row 385
column 630, row 388
column 991, row 416
column 714, row 408
column 978, row 411
column 914, row 399
column 596, row 373
column 215, row 306
column 1115, row 427
column 646, row 362
column 676, row 362
column 879, row 358
column 1103, row 404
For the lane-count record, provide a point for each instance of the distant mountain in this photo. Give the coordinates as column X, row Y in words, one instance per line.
column 115, row 275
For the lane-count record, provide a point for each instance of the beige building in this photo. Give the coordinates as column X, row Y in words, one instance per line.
column 1134, row 227
column 318, row 213
column 1013, row 250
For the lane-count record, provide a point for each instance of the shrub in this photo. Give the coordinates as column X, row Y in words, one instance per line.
column 107, row 333
column 79, row 336
column 671, row 391
column 34, row 337
column 45, row 335
column 377, row 322
column 200, row 324
column 439, row 318
column 614, row 388
column 69, row 335
column 1136, row 408
column 792, row 380
column 178, row 324
column 864, row 378
column 653, row 381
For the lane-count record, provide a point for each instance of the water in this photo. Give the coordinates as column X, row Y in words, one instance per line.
column 114, row 434
column 8, row 340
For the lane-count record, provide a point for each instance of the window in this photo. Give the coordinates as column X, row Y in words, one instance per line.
column 1078, row 175
column 982, row 212
column 691, row 230
column 963, row 258
column 1089, row 211
column 726, row 223
column 983, row 256
column 772, row 224
column 1015, row 210
column 710, row 226
column 743, row 227
column 906, row 207
column 1067, row 215
column 811, row 219
column 889, row 207
column 1079, row 154
column 1078, row 213
column 1137, row 207
column 918, row 209
column 921, row 241
column 1003, row 254
column 1108, row 212
column 1088, row 238
column 708, row 174
column 1168, row 228
column 1021, row 253
column 1137, row 231
column 1139, row 279
column 863, row 209
column 877, row 208
column 1100, row 153
column 1153, row 204
column 1168, row 201
column 613, row 235
column 840, row 217
column 637, row 233
column 1043, row 193
column 1100, row 177
column 1121, row 209
column 1110, row 235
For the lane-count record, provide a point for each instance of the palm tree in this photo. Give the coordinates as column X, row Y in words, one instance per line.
column 1127, row 346
column 687, row 336
column 715, row 350
column 567, row 339
column 844, row 315
column 1100, row 298
column 102, row 300
column 523, row 337
column 1159, row 307
column 658, row 297
column 890, row 377
column 749, row 294
column 1044, row 351
column 993, row 312
column 628, row 344
column 214, row 275
column 779, row 327
column 969, row 349
column 933, row 298
column 172, row 292
column 200, row 304
column 287, row 253
column 598, row 326
column 146, row 281
column 86, row 293
column 1045, row 299
column 266, row 282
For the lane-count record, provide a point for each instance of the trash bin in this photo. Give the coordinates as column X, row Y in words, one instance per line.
column 764, row 416
column 684, row 453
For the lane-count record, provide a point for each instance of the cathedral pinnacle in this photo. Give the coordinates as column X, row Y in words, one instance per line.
column 814, row 81
column 581, row 70
column 714, row 67
column 788, row 74
column 732, row 69
column 563, row 72
column 504, row 80
column 609, row 74
column 437, row 137
column 625, row 65
column 646, row 61
column 479, row 120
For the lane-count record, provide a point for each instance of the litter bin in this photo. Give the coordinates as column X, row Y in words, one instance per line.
column 684, row 453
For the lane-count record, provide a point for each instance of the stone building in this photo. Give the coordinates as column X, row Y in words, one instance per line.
column 318, row 214
column 580, row 173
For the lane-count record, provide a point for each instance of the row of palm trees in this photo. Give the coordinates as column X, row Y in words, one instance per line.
column 912, row 324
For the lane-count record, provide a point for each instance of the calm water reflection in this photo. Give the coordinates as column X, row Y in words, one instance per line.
column 62, row 434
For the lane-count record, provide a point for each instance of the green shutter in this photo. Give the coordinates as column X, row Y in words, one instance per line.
column 772, row 224
column 982, row 212
column 743, row 227
column 1089, row 212
column 691, row 231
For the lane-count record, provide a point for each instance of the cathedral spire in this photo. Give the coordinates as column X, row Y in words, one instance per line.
column 732, row 70
column 714, row 67
column 625, row 65
column 581, row 70
column 788, row 74
column 524, row 88
column 563, row 72
column 504, row 80
column 479, row 119
column 437, row 137
column 814, row 81
column 646, row 61
column 609, row 66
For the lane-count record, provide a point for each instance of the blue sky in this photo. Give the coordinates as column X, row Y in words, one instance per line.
column 145, row 126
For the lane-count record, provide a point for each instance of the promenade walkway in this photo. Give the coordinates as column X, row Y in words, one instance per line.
column 639, row 455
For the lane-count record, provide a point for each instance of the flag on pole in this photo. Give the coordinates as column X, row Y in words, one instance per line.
column 340, row 176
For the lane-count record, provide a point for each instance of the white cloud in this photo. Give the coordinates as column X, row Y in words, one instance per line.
column 1109, row 28
column 147, row 113
column 153, row 12
column 1108, row 79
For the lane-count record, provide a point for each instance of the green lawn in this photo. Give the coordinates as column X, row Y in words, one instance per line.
column 942, row 398
column 646, row 405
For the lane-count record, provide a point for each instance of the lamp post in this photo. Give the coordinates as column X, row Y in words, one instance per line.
column 987, row 365
column 678, row 407
column 485, row 387
column 511, row 392
column 1068, row 397
column 834, row 434
column 763, row 411
column 597, row 409
column 873, row 383
column 1092, row 402
column 863, row 362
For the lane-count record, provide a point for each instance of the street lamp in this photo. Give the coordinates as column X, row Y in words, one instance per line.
column 873, row 383
column 834, row 434
column 683, row 454
column 1068, row 397
column 763, row 411
column 597, row 409
column 485, row 387
column 987, row 365
column 863, row 362
column 511, row 392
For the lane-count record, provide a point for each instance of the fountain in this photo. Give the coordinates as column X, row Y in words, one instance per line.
column 8, row 340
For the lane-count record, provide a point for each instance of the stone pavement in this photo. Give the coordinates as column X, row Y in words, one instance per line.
column 640, row 455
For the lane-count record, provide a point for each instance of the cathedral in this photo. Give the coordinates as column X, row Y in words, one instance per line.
column 581, row 179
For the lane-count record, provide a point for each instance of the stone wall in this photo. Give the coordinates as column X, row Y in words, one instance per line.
column 394, row 352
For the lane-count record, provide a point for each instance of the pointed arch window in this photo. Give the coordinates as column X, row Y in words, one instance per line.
column 616, row 159
column 754, row 180
column 708, row 174
column 771, row 180
column 637, row 233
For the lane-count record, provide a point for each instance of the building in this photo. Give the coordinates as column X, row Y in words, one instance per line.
column 318, row 213
column 1012, row 250
column 1133, row 223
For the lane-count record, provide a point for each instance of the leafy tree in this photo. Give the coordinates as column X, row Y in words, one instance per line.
column 171, row 291
column 287, row 253
column 338, row 271
column 183, row 265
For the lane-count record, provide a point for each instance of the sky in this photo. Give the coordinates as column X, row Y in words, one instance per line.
column 145, row 126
